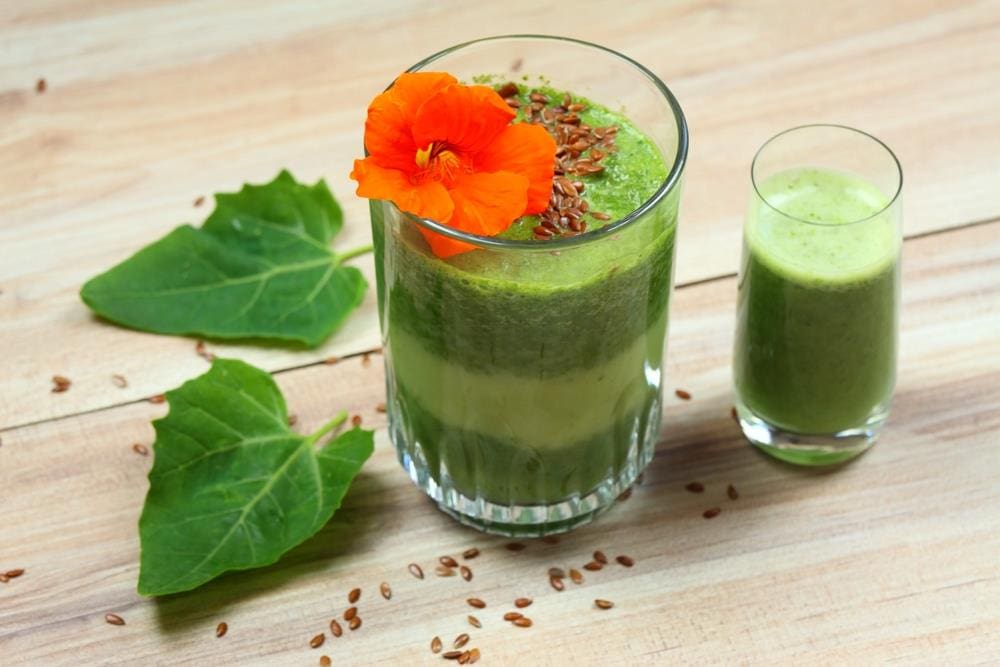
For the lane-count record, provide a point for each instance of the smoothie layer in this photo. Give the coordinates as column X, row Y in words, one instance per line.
column 816, row 343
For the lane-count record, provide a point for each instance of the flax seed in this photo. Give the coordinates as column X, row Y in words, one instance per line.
column 443, row 571
column 550, row 539
column 464, row 658
column 461, row 640
column 514, row 546
column 380, row 408
column 114, row 619
column 221, row 629
column 415, row 570
column 474, row 622
column 625, row 495
column 521, row 603
column 199, row 201
column 354, row 595
column 60, row 383
column 140, row 449
column 324, row 661
column 476, row 602
column 695, row 487
column 604, row 604
column 512, row 616
column 599, row 215
column 469, row 554
column 15, row 573
column 625, row 560
column 355, row 623
column 157, row 399
column 384, row 589
column 508, row 89
column 593, row 566
column 734, row 415
column 200, row 350
column 600, row 557
column 731, row 492
column 119, row 381
column 576, row 576
column 474, row 655
column 335, row 628
column 41, row 86
column 682, row 394
column 451, row 655
column 523, row 622
column 4, row 578
column 448, row 561
column 350, row 613
column 466, row 573
column 366, row 359
column 293, row 420
column 317, row 641
column 712, row 512
column 557, row 583
column 436, row 645
column 356, row 421
column 330, row 361
column 556, row 572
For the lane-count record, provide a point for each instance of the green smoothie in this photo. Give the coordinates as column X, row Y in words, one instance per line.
column 816, row 336
column 528, row 377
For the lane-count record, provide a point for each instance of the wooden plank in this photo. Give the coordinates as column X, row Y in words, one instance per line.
column 151, row 105
column 890, row 558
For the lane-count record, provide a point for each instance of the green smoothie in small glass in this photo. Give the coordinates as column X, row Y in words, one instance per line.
column 815, row 351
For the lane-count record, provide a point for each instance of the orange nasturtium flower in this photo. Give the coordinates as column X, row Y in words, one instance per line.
column 448, row 152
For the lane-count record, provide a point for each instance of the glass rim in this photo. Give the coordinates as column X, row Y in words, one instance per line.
column 666, row 187
column 891, row 202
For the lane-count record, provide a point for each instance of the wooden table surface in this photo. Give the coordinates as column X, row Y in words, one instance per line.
column 150, row 105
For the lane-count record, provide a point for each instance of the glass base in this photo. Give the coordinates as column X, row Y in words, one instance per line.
column 528, row 521
column 808, row 449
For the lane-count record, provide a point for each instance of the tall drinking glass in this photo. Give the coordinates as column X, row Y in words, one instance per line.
column 523, row 377
column 817, row 319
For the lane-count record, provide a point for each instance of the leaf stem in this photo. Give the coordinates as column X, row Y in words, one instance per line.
column 327, row 427
column 351, row 254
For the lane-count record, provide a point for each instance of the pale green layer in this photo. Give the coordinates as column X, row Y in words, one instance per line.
column 844, row 243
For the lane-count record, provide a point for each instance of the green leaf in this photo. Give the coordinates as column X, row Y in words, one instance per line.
column 260, row 267
column 232, row 487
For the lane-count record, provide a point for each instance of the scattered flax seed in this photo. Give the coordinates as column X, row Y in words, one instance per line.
column 517, row 64
column 354, row 595
column 448, row 561
column 221, row 629
column 60, row 383
column 444, row 571
column 731, row 492
column 317, row 641
column 477, row 603
column 556, row 572
column 119, row 381
column 355, row 623
column 293, row 420
column 474, row 622
column 711, row 513
column 114, row 619
column 508, row 89
column 199, row 201
column 682, row 394
column 140, row 449
column 384, row 589
column 600, row 216
column 380, row 408
column 40, row 86
column 593, row 566
column 324, row 661
column 466, row 572
column 15, row 573
column 335, row 628
column 625, row 495
column 452, row 655
column 521, row 603
column 600, row 557
column 436, row 645
column 514, row 546
column 202, row 352
column 695, row 487
column 461, row 640
column 550, row 539
column 604, row 604
column 4, row 578
column 415, row 570
column 464, row 658
column 523, row 622
column 576, row 576
column 469, row 554
column 351, row 613
column 732, row 413
column 625, row 560
column 330, row 361
column 159, row 398
column 512, row 616
column 356, row 420
column 474, row 655
column 366, row 359
column 557, row 583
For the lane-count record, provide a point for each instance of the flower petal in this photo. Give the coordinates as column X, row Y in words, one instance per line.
column 388, row 127
column 467, row 118
column 485, row 204
column 428, row 199
column 526, row 149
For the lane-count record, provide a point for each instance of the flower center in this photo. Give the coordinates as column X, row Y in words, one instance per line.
column 437, row 161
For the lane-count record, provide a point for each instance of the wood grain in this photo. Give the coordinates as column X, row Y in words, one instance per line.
column 893, row 557
column 152, row 104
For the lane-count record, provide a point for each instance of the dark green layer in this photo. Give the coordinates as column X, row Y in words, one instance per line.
column 509, row 473
column 815, row 359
